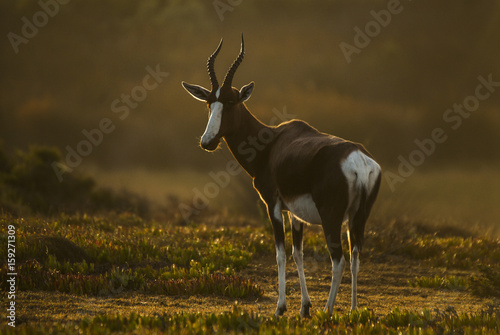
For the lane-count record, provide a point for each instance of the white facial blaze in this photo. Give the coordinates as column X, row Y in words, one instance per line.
column 213, row 125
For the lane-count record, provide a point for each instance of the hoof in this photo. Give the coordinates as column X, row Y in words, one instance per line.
column 279, row 311
column 304, row 311
column 328, row 310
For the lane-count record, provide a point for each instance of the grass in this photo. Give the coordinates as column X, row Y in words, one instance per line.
column 486, row 284
column 102, row 255
column 238, row 321
column 450, row 283
column 452, row 252
column 127, row 253
column 124, row 253
column 106, row 255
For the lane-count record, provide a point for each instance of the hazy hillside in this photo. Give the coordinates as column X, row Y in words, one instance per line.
column 396, row 89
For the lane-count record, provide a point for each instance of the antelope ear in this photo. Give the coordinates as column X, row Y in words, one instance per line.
column 196, row 91
column 246, row 92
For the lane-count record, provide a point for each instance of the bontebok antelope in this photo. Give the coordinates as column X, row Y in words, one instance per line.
column 315, row 177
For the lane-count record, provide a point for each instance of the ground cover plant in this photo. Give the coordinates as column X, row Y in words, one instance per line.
column 122, row 256
column 238, row 321
column 126, row 253
column 123, row 270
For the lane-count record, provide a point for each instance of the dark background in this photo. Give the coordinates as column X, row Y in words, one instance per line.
column 394, row 91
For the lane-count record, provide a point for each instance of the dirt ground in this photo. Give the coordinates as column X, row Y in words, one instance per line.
column 381, row 287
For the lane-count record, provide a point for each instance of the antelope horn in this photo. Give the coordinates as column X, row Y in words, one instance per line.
column 230, row 73
column 210, row 66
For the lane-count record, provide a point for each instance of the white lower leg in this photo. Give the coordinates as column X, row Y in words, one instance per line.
column 306, row 301
column 354, row 272
column 281, row 260
column 337, row 269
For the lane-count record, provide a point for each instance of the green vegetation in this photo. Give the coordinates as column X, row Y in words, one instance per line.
column 28, row 185
column 238, row 321
column 106, row 254
column 452, row 252
column 432, row 244
column 484, row 284
column 450, row 283
column 487, row 284
column 127, row 253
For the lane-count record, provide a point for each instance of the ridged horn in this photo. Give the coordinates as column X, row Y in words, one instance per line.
column 230, row 73
column 210, row 66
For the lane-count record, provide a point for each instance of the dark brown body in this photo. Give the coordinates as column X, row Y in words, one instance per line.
column 297, row 171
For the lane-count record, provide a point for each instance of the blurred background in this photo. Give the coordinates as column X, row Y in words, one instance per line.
column 67, row 67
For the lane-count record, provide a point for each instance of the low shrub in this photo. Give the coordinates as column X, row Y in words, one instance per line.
column 487, row 283
column 450, row 283
column 30, row 185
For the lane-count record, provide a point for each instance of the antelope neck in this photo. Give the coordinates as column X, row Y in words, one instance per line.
column 243, row 141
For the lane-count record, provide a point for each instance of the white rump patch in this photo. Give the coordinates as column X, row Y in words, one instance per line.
column 214, row 122
column 361, row 172
column 304, row 209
